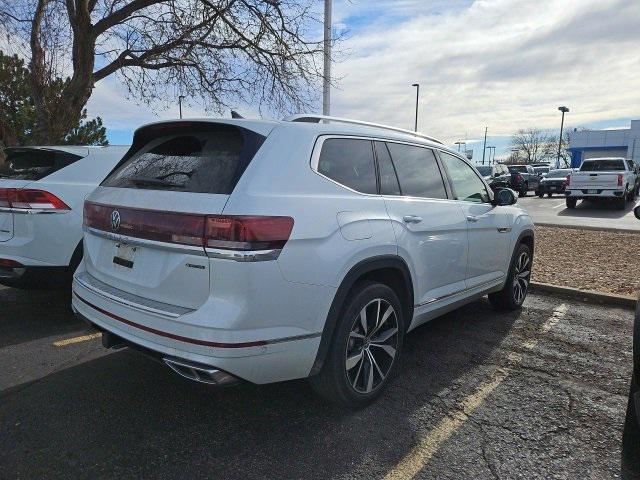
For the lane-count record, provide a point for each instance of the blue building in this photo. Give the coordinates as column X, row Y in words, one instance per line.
column 624, row 142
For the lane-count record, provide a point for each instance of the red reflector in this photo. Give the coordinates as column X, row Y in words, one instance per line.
column 10, row 263
column 568, row 180
column 620, row 178
column 30, row 199
column 247, row 232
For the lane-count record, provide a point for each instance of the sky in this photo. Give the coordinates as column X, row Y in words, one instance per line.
column 503, row 64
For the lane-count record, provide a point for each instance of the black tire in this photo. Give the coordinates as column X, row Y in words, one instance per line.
column 571, row 202
column 522, row 193
column 621, row 203
column 549, row 195
column 540, row 194
column 349, row 387
column 631, row 441
column 514, row 292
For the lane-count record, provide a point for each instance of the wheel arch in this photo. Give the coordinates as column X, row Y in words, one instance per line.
column 391, row 270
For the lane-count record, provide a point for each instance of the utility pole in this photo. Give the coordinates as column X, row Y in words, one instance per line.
column 326, row 87
column 484, row 147
column 417, row 85
column 563, row 110
column 180, row 97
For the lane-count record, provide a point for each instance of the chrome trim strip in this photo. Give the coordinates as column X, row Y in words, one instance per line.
column 434, row 300
column 32, row 211
column 293, row 338
column 243, row 256
column 129, row 300
column 143, row 242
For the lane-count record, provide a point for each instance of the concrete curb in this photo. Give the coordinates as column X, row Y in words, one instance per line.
column 587, row 227
column 621, row 301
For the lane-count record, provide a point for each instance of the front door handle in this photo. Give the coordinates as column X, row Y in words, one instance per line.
column 472, row 218
column 412, row 219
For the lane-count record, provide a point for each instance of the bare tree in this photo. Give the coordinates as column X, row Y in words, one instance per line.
column 565, row 157
column 215, row 52
column 532, row 145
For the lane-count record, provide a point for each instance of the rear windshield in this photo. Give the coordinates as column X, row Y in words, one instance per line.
column 207, row 159
column 32, row 164
column 602, row 165
column 541, row 169
column 518, row 169
column 484, row 171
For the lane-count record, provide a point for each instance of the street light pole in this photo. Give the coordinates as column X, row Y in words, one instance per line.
column 459, row 144
column 180, row 97
column 563, row 110
column 326, row 86
column 484, row 147
column 417, row 85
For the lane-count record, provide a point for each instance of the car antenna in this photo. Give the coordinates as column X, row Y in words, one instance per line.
column 235, row 114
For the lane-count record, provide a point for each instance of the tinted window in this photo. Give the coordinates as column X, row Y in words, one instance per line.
column 484, row 170
column 350, row 163
column 208, row 160
column 466, row 184
column 518, row 169
column 559, row 173
column 388, row 180
column 602, row 165
column 32, row 164
column 418, row 171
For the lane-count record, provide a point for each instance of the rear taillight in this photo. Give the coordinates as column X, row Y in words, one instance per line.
column 519, row 177
column 247, row 232
column 620, row 179
column 229, row 232
column 4, row 262
column 567, row 180
column 28, row 199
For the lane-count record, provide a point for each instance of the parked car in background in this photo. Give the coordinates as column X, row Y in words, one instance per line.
column 267, row 251
column 555, row 182
column 631, row 434
column 542, row 171
column 497, row 176
column 603, row 179
column 525, row 178
column 42, row 191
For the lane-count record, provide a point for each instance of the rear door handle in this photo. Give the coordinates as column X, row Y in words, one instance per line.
column 412, row 219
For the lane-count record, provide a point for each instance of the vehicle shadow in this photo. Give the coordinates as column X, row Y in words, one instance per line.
column 124, row 415
column 594, row 209
column 27, row 315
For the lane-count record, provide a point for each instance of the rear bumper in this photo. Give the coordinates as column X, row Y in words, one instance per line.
column 600, row 193
column 551, row 188
column 258, row 355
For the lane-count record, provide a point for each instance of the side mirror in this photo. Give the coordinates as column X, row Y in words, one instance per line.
column 505, row 197
column 636, row 212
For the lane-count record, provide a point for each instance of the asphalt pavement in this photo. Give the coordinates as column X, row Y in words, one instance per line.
column 539, row 393
column 601, row 215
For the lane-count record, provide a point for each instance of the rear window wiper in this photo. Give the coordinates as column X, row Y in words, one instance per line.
column 153, row 182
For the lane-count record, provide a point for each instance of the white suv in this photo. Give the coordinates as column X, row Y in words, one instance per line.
column 42, row 191
column 268, row 251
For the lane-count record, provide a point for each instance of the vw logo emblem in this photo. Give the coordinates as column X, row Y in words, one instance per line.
column 115, row 220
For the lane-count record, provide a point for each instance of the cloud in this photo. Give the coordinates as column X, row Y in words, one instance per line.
column 507, row 64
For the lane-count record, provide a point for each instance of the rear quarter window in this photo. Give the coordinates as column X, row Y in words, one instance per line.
column 208, row 159
column 349, row 162
column 34, row 164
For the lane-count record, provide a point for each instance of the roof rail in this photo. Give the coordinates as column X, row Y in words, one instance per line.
column 302, row 117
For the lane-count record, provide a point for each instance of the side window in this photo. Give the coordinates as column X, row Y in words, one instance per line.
column 418, row 171
column 388, row 179
column 350, row 163
column 466, row 184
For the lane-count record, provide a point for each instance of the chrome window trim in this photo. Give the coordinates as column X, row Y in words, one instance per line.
column 243, row 256
column 143, row 242
column 32, row 211
column 130, row 300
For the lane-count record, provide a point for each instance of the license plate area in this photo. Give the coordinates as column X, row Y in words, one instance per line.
column 592, row 191
column 124, row 255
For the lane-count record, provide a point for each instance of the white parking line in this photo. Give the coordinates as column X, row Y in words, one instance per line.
column 420, row 455
column 559, row 205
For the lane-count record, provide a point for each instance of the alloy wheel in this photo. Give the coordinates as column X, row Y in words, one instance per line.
column 372, row 346
column 521, row 277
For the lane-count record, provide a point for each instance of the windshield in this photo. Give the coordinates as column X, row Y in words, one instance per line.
column 518, row 169
column 485, row 170
column 207, row 161
column 34, row 164
column 559, row 173
column 602, row 165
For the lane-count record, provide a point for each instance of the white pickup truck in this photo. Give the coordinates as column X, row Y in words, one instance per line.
column 612, row 179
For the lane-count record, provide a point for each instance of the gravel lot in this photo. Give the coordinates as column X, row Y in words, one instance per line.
column 589, row 260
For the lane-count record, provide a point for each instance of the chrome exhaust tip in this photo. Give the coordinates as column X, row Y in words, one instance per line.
column 200, row 373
